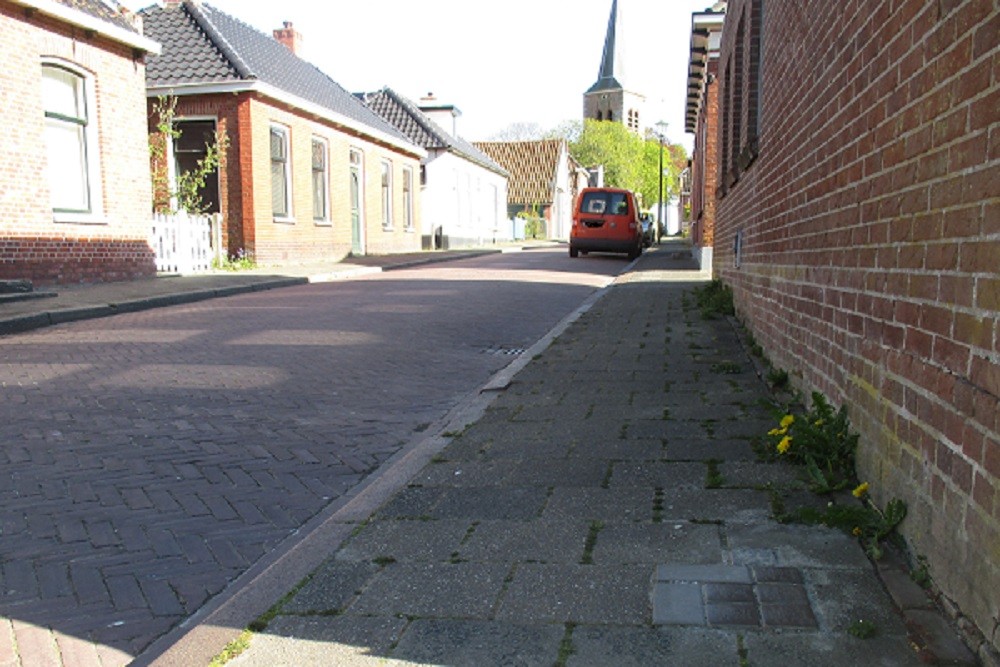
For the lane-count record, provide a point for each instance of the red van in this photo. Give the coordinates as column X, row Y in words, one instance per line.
column 606, row 220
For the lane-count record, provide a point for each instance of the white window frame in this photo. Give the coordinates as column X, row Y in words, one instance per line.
column 94, row 212
column 408, row 221
column 385, row 191
column 325, row 183
column 286, row 133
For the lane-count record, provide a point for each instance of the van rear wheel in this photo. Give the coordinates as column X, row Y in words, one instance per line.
column 573, row 252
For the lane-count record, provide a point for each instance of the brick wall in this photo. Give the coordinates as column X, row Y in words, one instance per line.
column 868, row 210
column 705, row 166
column 112, row 245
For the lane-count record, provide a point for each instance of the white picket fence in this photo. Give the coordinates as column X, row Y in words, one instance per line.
column 185, row 243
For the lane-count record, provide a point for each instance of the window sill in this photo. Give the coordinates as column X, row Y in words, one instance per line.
column 284, row 221
column 323, row 223
column 79, row 218
column 388, row 229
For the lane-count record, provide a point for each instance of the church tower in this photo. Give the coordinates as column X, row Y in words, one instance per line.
column 609, row 98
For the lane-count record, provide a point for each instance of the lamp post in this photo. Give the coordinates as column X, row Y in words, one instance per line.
column 661, row 133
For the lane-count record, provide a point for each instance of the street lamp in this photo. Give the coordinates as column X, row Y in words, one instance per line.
column 661, row 134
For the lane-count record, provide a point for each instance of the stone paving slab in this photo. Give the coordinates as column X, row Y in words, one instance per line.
column 546, row 593
column 465, row 642
column 440, row 590
column 541, row 540
column 601, row 646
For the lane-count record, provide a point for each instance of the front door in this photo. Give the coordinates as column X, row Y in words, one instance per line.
column 357, row 242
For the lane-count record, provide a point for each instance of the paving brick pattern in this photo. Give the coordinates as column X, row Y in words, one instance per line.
column 148, row 459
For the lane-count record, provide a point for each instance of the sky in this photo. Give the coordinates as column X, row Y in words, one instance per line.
column 499, row 62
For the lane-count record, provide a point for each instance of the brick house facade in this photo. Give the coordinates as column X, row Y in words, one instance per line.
column 702, row 113
column 74, row 188
column 311, row 174
column 858, row 223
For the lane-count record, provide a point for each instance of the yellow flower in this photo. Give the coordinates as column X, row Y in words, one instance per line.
column 818, row 422
column 856, row 532
column 787, row 421
column 778, row 431
column 785, row 443
column 861, row 490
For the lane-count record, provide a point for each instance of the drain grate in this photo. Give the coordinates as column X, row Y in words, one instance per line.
column 502, row 351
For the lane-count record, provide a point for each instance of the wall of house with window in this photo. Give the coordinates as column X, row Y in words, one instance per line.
column 465, row 203
column 75, row 187
column 858, row 223
column 302, row 207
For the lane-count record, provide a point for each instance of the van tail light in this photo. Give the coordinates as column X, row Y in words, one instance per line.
column 631, row 226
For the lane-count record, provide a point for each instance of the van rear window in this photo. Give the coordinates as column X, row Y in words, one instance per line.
column 614, row 203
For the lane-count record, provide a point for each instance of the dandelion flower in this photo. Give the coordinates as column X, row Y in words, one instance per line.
column 861, row 490
column 787, row 421
column 778, row 431
column 856, row 532
column 785, row 443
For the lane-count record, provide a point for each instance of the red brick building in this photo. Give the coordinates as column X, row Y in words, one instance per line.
column 858, row 222
column 311, row 173
column 701, row 120
column 74, row 185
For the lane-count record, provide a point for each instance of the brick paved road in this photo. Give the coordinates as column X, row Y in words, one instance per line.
column 148, row 459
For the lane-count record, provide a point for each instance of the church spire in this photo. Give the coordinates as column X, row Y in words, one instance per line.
column 612, row 72
column 608, row 99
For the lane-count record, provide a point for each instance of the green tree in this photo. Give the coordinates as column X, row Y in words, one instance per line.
column 629, row 161
column 615, row 147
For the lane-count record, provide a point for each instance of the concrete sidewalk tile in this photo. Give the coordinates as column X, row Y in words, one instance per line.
column 678, row 603
column 734, row 506
column 794, row 546
column 545, row 593
column 559, row 472
column 752, row 475
column 659, row 474
column 724, row 614
column 705, row 448
column 600, row 504
column 522, row 503
column 787, row 616
column 842, row 597
column 618, row 449
column 318, row 641
column 601, row 646
column 440, row 590
column 332, row 587
column 712, row 573
column 938, row 638
column 406, row 540
column 540, row 540
column 651, row 543
column 717, row 592
column 465, row 473
column 821, row 649
column 475, row 642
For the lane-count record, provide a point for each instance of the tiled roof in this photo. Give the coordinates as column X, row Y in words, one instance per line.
column 532, row 166
column 202, row 45
column 109, row 11
column 421, row 130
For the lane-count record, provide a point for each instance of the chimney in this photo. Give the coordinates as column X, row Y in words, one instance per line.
column 445, row 115
column 290, row 37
